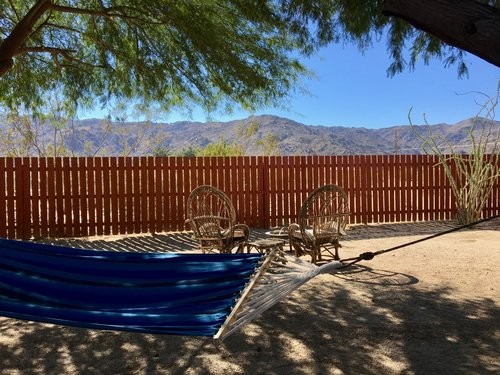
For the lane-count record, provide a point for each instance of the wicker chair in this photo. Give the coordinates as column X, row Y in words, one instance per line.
column 322, row 220
column 212, row 217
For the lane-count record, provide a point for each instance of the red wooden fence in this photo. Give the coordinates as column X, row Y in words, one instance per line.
column 83, row 196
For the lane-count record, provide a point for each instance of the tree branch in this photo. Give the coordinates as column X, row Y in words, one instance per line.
column 10, row 45
column 466, row 24
column 66, row 54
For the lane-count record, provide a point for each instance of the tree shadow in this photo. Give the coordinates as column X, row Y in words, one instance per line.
column 330, row 325
column 360, row 321
column 171, row 242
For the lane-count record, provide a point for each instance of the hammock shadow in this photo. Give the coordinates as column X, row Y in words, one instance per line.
column 367, row 275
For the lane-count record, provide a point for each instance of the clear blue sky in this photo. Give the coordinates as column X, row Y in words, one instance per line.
column 352, row 89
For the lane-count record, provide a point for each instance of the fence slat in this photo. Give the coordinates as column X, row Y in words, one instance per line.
column 90, row 173
column 4, row 176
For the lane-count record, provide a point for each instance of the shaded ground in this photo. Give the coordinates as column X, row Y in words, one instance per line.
column 429, row 308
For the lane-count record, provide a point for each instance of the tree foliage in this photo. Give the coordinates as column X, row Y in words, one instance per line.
column 205, row 52
column 213, row 53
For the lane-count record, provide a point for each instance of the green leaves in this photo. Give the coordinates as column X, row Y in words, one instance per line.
column 179, row 53
column 176, row 53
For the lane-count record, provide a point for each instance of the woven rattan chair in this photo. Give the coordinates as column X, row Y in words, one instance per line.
column 322, row 220
column 212, row 217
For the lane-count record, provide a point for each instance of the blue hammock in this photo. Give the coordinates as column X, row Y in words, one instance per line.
column 175, row 294
column 188, row 294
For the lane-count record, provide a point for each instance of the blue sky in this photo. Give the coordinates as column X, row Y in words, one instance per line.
column 352, row 89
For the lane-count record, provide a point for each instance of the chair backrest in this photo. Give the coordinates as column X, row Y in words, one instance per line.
column 325, row 212
column 210, row 213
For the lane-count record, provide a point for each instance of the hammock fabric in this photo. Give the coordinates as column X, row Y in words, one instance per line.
column 176, row 294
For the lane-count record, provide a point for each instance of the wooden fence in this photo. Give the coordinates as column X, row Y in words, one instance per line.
column 82, row 196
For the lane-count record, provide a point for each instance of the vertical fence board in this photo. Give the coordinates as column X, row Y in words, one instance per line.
column 106, row 195
column 59, row 196
column 285, row 216
column 90, row 173
column 4, row 176
column 128, row 195
column 358, row 195
column 150, row 193
column 240, row 191
column 401, row 167
column 378, row 200
column 396, row 178
column 11, row 199
column 121, row 196
column 23, row 212
column 83, row 195
column 159, row 213
column 263, row 201
column 75, row 195
column 172, row 183
column 113, row 183
column 425, row 189
column 67, row 218
column 44, row 221
column 394, row 191
column 253, row 192
column 143, row 191
column 272, row 192
column 35, row 199
column 367, row 187
column 279, row 191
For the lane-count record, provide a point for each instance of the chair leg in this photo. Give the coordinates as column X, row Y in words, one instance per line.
column 337, row 245
column 314, row 254
column 241, row 247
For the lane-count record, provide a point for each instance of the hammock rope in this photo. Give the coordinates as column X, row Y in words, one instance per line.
column 370, row 255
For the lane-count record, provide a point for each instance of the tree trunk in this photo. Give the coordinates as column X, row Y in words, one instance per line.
column 466, row 24
column 10, row 45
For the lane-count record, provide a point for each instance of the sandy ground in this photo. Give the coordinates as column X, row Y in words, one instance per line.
column 428, row 308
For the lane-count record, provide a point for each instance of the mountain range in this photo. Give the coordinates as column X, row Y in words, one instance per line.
column 99, row 137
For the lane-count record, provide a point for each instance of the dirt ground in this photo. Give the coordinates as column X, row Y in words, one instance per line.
column 429, row 308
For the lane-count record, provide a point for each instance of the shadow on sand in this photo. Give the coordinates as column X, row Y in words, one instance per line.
column 380, row 328
column 361, row 321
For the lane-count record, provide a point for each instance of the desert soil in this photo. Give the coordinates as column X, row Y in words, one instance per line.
column 428, row 308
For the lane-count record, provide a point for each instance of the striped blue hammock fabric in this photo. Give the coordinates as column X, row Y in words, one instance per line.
column 160, row 293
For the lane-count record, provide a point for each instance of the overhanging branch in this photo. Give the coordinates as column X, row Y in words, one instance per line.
column 466, row 24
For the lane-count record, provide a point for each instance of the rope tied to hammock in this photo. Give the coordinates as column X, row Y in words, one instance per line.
column 369, row 255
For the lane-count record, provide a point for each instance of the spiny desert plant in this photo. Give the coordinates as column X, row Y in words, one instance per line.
column 472, row 176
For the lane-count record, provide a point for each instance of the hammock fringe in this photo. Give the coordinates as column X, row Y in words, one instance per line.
column 279, row 275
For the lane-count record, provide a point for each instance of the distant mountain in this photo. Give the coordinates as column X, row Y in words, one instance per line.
column 293, row 138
